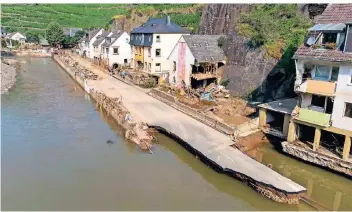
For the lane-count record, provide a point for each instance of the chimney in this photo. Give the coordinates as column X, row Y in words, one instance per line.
column 168, row 20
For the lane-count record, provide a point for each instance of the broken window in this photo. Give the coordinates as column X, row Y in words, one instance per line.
column 329, row 38
column 329, row 105
column 348, row 109
column 116, row 50
column 318, row 101
column 157, row 52
column 158, row 38
column 322, row 73
column 334, row 73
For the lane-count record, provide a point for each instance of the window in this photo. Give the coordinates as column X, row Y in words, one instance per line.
column 150, row 38
column 107, row 50
column 174, row 66
column 158, row 38
column 318, row 101
column 334, row 73
column 348, row 109
column 150, row 67
column 132, row 37
column 157, row 67
column 322, row 73
column 140, row 37
column 116, row 50
column 149, row 52
column 126, row 40
column 329, row 38
column 125, row 61
column 157, row 52
column 350, row 81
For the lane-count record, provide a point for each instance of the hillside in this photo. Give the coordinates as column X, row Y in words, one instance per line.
column 24, row 17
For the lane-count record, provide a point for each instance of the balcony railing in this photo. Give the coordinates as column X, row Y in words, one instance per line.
column 314, row 117
column 318, row 87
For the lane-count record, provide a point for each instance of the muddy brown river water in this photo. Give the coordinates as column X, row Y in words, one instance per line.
column 55, row 157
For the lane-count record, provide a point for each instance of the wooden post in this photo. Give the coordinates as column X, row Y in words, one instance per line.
column 346, row 148
column 291, row 132
column 286, row 124
column 262, row 117
column 316, row 139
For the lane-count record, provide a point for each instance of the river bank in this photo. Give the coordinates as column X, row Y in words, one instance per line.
column 8, row 74
column 211, row 146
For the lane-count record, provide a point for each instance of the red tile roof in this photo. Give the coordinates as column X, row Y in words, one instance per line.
column 304, row 52
column 335, row 13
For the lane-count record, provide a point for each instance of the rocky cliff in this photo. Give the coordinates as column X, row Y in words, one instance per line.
column 250, row 71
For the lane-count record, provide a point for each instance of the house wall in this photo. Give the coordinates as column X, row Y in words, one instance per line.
column 166, row 44
column 343, row 94
column 90, row 46
column 124, row 50
column 175, row 77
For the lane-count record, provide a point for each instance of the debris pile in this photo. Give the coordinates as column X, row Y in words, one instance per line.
column 135, row 131
column 79, row 70
column 214, row 101
column 8, row 76
column 139, row 78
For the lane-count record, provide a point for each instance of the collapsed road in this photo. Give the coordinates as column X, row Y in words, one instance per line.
column 211, row 146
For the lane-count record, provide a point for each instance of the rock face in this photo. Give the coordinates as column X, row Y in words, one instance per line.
column 8, row 77
column 248, row 70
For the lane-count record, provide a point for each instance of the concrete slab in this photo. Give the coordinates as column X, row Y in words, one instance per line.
column 285, row 106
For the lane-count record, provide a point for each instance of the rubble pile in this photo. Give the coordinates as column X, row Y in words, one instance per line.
column 8, row 76
column 135, row 131
column 79, row 70
column 214, row 101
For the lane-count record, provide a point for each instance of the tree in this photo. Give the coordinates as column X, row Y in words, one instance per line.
column 54, row 34
column 78, row 35
column 32, row 37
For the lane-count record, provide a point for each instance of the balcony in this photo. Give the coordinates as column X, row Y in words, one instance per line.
column 313, row 117
column 323, row 88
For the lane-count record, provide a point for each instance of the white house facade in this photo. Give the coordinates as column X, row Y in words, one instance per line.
column 116, row 49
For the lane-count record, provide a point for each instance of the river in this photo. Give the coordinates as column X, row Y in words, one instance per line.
column 55, row 157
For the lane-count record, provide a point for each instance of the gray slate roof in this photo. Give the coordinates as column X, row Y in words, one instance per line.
column 92, row 34
column 11, row 34
column 159, row 25
column 115, row 35
column 101, row 38
column 205, row 47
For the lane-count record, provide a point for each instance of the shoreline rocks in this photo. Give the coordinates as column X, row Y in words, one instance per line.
column 8, row 75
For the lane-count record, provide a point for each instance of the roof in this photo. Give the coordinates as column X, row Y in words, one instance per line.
column 285, row 106
column 91, row 34
column 71, row 31
column 159, row 25
column 11, row 34
column 205, row 47
column 101, row 38
column 304, row 52
column 335, row 13
column 328, row 27
column 115, row 35
column 335, row 16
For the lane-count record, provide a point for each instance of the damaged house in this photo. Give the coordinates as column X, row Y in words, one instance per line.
column 196, row 61
column 318, row 124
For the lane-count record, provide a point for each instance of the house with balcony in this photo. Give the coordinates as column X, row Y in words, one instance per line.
column 116, row 50
column 317, row 125
column 196, row 61
column 152, row 43
column 324, row 83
